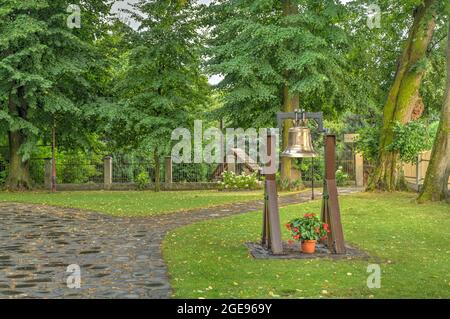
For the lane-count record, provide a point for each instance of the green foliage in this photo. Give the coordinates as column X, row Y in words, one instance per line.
column 37, row 171
column 411, row 139
column 287, row 185
column 126, row 167
column 308, row 227
column 47, row 71
column 142, row 180
column 368, row 143
column 305, row 166
column 259, row 49
column 72, row 166
column 3, row 170
column 193, row 172
column 375, row 52
column 231, row 181
column 160, row 86
column 77, row 167
column 434, row 83
column 341, row 177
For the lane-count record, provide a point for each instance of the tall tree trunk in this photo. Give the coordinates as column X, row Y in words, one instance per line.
column 157, row 171
column 435, row 187
column 19, row 172
column 19, row 176
column 404, row 97
column 290, row 103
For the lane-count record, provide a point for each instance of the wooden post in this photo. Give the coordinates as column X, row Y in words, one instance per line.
column 330, row 205
column 271, row 218
column 53, row 179
column 107, row 172
column 231, row 163
column 359, row 170
column 418, row 170
column 48, row 174
column 312, row 178
column 168, row 170
column 222, row 147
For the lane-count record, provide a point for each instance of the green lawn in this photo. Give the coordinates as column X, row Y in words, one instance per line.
column 410, row 242
column 132, row 203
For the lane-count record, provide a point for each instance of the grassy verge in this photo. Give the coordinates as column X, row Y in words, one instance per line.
column 209, row 259
column 133, row 203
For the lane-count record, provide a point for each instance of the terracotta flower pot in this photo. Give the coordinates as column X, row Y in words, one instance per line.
column 309, row 246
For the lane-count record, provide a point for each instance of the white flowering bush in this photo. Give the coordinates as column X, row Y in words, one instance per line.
column 341, row 177
column 232, row 181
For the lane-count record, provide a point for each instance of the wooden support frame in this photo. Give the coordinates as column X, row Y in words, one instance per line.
column 330, row 203
column 271, row 234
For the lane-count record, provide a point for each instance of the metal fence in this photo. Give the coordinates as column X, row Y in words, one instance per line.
column 68, row 172
column 192, row 172
column 305, row 165
column 128, row 171
column 79, row 173
column 37, row 170
column 347, row 166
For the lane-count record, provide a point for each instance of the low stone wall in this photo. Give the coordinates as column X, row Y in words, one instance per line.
column 79, row 187
column 189, row 186
column 132, row 186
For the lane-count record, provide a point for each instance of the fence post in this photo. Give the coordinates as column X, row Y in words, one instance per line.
column 359, row 170
column 48, row 173
column 231, row 163
column 168, row 169
column 107, row 172
column 418, row 171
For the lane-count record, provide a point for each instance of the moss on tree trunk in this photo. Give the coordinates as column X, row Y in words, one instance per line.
column 19, row 172
column 403, row 96
column 435, row 187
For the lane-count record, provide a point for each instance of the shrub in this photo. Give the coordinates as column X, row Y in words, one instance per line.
column 305, row 166
column 409, row 140
column 142, row 180
column 232, row 181
column 341, row 177
column 3, row 171
column 368, row 142
column 191, row 172
column 3, row 176
column 286, row 185
column 412, row 138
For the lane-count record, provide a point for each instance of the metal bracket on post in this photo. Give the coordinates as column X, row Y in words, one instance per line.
column 316, row 116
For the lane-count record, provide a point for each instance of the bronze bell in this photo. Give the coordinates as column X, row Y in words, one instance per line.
column 299, row 142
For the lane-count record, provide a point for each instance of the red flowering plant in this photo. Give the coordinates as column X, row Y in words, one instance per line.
column 308, row 227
